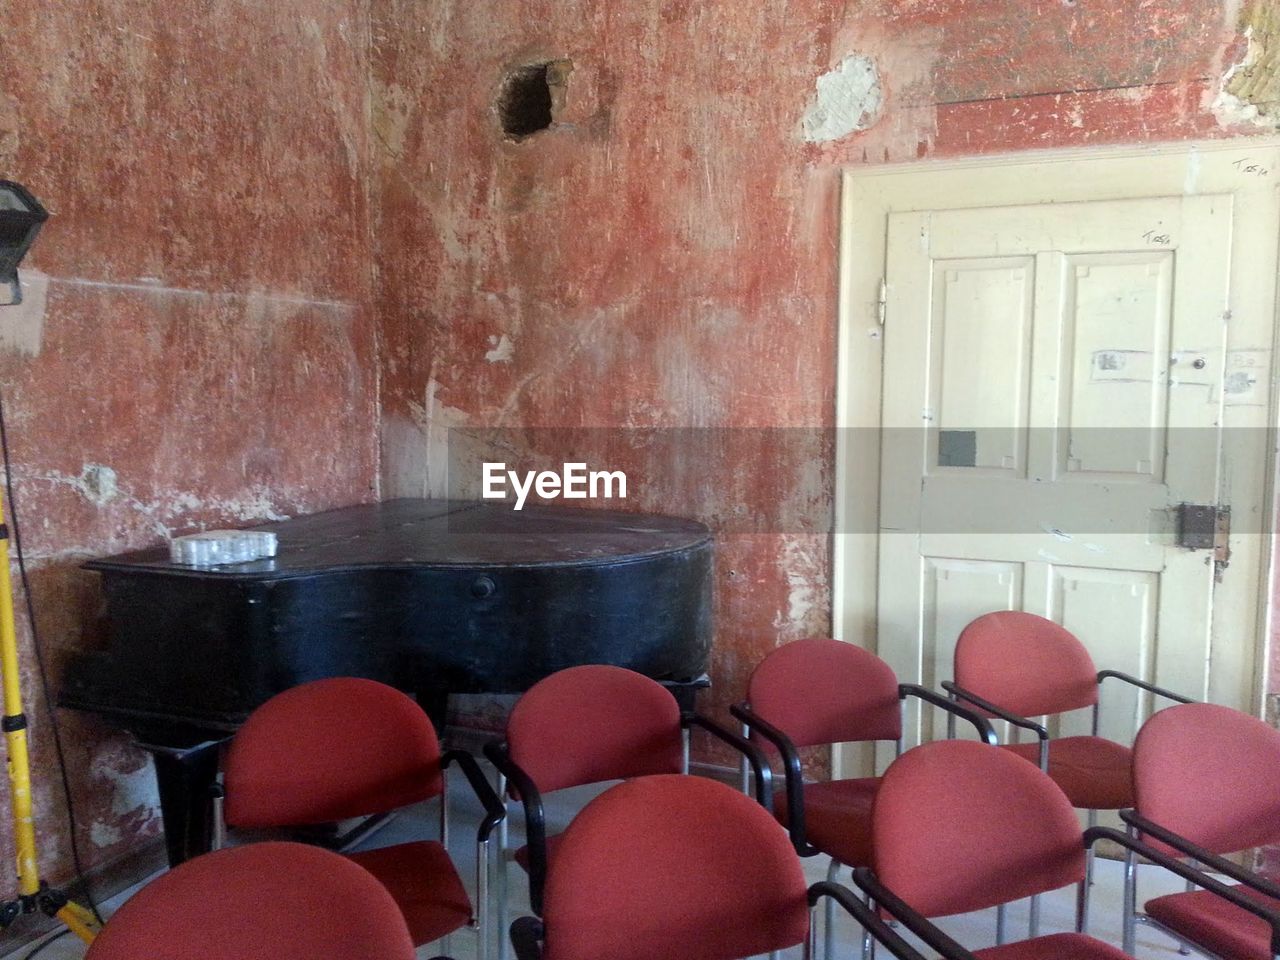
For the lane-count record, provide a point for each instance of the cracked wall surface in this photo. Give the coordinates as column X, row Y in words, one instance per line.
column 228, row 177
column 665, row 253
column 197, row 347
column 1251, row 87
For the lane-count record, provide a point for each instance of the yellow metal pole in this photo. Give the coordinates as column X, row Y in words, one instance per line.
column 15, row 727
column 14, row 723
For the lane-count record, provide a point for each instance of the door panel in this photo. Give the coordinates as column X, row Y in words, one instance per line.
column 1116, row 327
column 1113, row 612
column 1053, row 389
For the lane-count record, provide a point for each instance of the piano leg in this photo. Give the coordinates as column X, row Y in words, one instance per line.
column 435, row 704
column 185, row 776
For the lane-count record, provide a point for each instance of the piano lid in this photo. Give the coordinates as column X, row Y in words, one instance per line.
column 442, row 533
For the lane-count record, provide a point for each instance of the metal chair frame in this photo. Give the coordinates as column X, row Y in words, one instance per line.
column 1208, row 863
column 495, row 814
column 511, row 775
column 794, row 777
column 958, row 692
column 527, row 933
column 880, row 895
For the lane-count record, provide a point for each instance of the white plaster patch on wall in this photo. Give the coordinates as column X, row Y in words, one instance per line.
column 10, row 125
column 99, row 484
column 405, row 458
column 503, row 349
column 22, row 327
column 798, row 556
column 104, row 834
column 848, row 99
column 1230, row 109
column 132, row 790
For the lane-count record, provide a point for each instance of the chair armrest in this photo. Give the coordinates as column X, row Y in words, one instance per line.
column 860, row 912
column 1187, row 872
column 980, row 723
column 535, row 820
column 961, row 693
column 526, row 937
column 495, row 810
column 1134, row 681
column 755, row 756
column 934, row 938
column 1213, row 861
column 791, row 767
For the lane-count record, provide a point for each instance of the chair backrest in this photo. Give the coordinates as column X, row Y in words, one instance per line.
column 673, row 866
column 329, row 750
column 1026, row 664
column 960, row 826
column 263, row 901
column 826, row 691
column 593, row 723
column 1211, row 774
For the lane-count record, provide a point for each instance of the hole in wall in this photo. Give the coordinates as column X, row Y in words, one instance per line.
column 530, row 96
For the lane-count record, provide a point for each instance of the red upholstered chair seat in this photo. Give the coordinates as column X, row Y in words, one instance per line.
column 264, row 901
column 673, row 866
column 347, row 747
column 1211, row 922
column 837, row 817
column 1093, row 772
column 1059, row 946
column 423, row 882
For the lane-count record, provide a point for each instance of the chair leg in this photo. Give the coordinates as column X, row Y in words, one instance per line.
column 483, row 931
column 218, row 833
column 1184, row 947
column 1089, row 855
column 829, row 921
column 808, row 937
column 502, row 879
column 684, row 748
column 1130, row 899
column 444, row 810
column 744, row 768
column 868, row 942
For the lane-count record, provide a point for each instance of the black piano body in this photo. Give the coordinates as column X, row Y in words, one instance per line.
column 434, row 597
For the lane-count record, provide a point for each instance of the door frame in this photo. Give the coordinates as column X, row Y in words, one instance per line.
column 867, row 196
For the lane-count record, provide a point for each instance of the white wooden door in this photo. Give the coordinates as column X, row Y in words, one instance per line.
column 1053, row 390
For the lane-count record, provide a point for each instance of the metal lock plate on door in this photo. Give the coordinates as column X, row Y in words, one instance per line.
column 1204, row 526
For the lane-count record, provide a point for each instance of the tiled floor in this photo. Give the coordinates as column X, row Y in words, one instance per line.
column 973, row 930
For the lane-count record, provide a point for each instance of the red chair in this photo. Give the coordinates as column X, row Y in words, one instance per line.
column 341, row 748
column 585, row 725
column 819, row 691
column 677, row 866
column 1016, row 665
column 959, row 827
column 265, row 901
column 1207, row 783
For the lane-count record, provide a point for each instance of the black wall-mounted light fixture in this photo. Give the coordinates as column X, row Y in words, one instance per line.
column 20, row 219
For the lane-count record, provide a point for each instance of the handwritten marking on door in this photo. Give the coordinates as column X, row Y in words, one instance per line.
column 1251, row 166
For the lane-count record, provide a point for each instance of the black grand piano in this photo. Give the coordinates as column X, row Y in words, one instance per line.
column 432, row 596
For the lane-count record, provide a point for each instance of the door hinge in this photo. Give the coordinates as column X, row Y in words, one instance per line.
column 883, row 303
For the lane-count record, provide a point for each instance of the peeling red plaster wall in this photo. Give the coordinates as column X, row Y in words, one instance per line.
column 665, row 254
column 206, row 332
